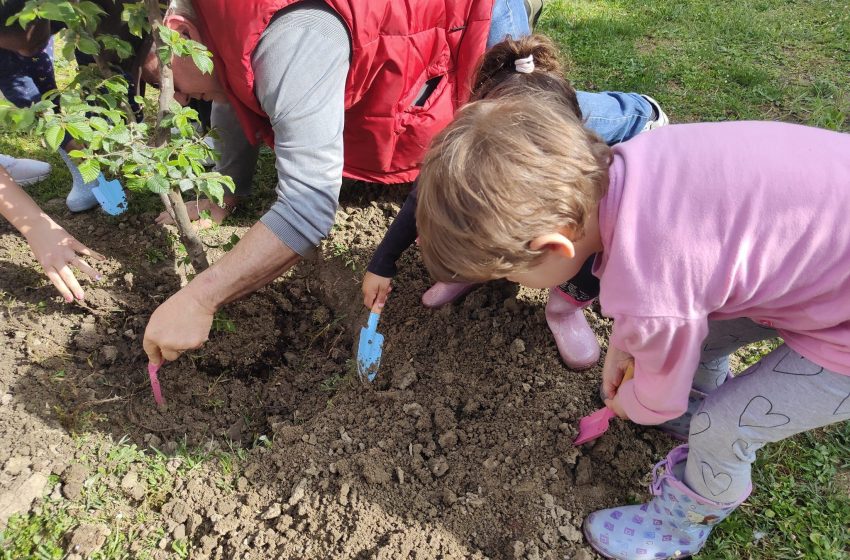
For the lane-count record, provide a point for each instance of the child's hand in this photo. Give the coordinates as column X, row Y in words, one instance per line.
column 57, row 251
column 616, row 407
column 614, row 370
column 375, row 290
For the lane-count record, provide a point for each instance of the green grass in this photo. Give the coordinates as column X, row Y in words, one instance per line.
column 713, row 60
column 43, row 533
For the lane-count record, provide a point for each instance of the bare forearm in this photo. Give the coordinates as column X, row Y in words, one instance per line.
column 17, row 206
column 256, row 260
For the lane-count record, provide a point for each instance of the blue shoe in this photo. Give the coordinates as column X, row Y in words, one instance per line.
column 674, row 524
column 81, row 197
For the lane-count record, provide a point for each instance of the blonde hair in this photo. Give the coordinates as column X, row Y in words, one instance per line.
column 506, row 170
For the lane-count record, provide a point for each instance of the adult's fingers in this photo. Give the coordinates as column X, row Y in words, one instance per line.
column 85, row 268
column 170, row 355
column 153, row 351
column 164, row 219
column 56, row 280
column 71, row 281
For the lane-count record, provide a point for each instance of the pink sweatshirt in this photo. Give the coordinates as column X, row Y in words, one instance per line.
column 719, row 221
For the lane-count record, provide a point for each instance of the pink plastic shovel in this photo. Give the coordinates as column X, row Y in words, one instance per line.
column 157, row 393
column 594, row 425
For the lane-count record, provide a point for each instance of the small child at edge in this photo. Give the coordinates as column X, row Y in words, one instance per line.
column 708, row 237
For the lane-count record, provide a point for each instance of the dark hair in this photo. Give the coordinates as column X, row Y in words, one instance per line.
column 496, row 74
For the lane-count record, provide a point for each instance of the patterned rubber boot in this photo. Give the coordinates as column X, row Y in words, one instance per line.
column 575, row 339
column 674, row 524
column 442, row 293
column 81, row 197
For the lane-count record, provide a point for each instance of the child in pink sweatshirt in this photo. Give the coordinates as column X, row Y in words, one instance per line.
column 708, row 237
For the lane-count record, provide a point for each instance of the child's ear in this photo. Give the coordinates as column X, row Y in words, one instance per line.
column 553, row 242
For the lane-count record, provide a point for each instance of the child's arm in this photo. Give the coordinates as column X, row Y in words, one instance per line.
column 382, row 267
column 52, row 246
column 666, row 353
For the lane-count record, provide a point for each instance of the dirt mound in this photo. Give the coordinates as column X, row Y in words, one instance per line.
column 461, row 448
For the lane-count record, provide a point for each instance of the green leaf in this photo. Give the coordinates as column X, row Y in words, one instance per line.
column 54, row 136
column 79, row 130
column 213, row 190
column 203, row 61
column 99, row 124
column 89, row 169
column 88, row 45
column 157, row 184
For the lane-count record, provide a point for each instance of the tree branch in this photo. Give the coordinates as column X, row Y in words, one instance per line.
column 173, row 202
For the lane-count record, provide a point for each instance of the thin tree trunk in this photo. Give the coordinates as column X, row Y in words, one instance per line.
column 174, row 200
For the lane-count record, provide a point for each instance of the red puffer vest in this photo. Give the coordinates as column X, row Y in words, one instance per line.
column 397, row 45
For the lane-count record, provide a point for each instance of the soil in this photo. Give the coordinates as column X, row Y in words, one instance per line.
column 460, row 449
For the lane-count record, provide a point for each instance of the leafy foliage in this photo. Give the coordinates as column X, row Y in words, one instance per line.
column 93, row 108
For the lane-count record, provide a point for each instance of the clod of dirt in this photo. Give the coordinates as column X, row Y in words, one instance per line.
column 16, row 465
column 108, row 355
column 132, row 487
column 413, row 409
column 448, row 440
column 298, row 492
column 439, row 466
column 404, row 377
column 584, row 471
column 583, row 555
column 87, row 338
column 517, row 346
column 569, row 533
column 72, row 481
column 20, row 496
column 88, row 538
column 372, row 471
column 273, row 512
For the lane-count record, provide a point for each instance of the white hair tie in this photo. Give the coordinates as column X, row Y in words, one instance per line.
column 524, row 65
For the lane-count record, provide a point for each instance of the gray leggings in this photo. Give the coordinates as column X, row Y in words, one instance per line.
column 781, row 395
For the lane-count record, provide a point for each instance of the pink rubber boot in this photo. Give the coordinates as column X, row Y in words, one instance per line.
column 575, row 339
column 442, row 293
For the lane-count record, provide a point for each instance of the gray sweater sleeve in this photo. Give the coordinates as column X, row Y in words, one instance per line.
column 300, row 67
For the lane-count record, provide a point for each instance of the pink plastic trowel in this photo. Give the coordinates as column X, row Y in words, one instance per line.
column 594, row 425
column 157, row 393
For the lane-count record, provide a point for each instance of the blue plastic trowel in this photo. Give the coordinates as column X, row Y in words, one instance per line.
column 110, row 195
column 370, row 347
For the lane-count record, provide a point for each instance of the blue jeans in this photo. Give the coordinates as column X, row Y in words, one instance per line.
column 24, row 79
column 613, row 115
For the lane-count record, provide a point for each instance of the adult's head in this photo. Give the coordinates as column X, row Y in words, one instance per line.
column 26, row 41
column 189, row 81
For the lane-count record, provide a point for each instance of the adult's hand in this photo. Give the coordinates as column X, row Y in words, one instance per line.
column 181, row 323
column 58, row 251
column 375, row 290
column 613, row 371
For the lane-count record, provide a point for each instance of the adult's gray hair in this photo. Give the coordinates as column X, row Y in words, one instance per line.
column 182, row 7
